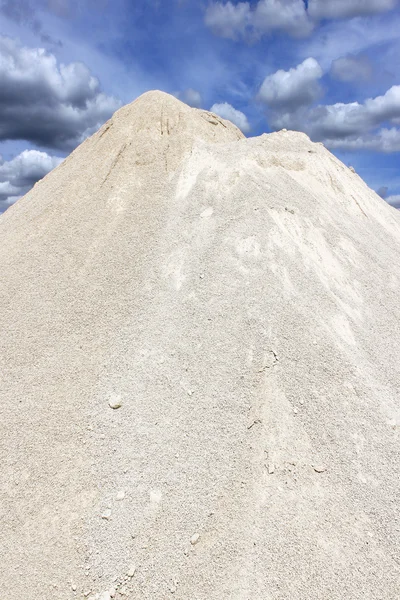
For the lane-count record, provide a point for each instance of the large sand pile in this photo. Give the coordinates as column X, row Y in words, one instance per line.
column 239, row 299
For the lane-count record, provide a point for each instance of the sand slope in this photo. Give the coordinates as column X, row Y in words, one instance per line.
column 239, row 298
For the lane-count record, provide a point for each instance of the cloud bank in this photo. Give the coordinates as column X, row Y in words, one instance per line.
column 51, row 105
column 290, row 96
column 19, row 174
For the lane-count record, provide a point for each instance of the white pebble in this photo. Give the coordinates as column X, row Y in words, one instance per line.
column 271, row 468
column 121, row 495
column 132, row 571
column 319, row 468
column 207, row 212
column 195, row 539
column 115, row 404
column 106, row 514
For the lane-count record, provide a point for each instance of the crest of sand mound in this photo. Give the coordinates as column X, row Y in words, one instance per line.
column 199, row 370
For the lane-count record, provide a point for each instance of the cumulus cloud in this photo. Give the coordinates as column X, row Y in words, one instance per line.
column 288, row 16
column 383, row 140
column 297, row 18
column 351, row 68
column 51, row 105
column 226, row 111
column 228, row 20
column 191, row 97
column 370, row 125
column 341, row 120
column 291, row 89
column 19, row 174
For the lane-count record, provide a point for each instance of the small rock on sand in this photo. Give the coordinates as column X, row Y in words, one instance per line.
column 319, row 468
column 114, row 404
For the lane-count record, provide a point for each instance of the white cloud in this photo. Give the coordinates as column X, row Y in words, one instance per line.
column 352, row 126
column 45, row 103
column 351, row 68
column 346, row 9
column 228, row 20
column 6, row 190
column 19, row 174
column 386, row 107
column 289, row 16
column 338, row 120
column 226, row 111
column 294, row 88
column 383, row 140
column 354, row 119
column 394, row 201
column 191, row 97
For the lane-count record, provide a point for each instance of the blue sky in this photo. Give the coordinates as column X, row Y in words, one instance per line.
column 328, row 67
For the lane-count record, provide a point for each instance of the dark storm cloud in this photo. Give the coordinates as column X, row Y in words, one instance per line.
column 51, row 105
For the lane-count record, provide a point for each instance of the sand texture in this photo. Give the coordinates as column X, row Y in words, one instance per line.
column 199, row 370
